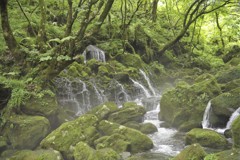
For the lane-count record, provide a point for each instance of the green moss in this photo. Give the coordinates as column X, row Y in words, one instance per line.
column 231, row 85
column 193, row 152
column 148, row 128
column 36, row 155
column 130, row 60
column 132, row 112
column 228, row 75
column 232, row 154
column 206, row 138
column 31, row 129
column 72, row 132
column 235, row 128
column 102, row 111
column 82, row 151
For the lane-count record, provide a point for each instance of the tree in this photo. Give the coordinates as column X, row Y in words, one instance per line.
column 191, row 15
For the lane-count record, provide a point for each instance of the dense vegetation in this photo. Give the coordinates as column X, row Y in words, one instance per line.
column 178, row 38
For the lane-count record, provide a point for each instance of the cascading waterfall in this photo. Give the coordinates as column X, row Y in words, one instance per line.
column 206, row 116
column 93, row 52
column 99, row 93
column 120, row 93
column 148, row 82
column 141, row 87
column 232, row 118
column 73, row 94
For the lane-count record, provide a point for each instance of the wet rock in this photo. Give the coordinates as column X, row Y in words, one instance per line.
column 138, row 141
column 148, row 128
column 232, row 154
column 37, row 155
column 206, row 138
column 235, row 128
column 65, row 137
column 129, row 112
column 25, row 132
column 192, row 152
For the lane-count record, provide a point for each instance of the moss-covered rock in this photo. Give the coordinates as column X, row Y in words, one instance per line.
column 3, row 144
column 231, row 85
column 192, row 152
column 102, row 111
column 228, row 75
column 130, row 60
column 187, row 102
column 206, row 138
column 223, row 106
column 148, row 128
column 31, row 129
column 232, row 154
column 131, row 112
column 115, row 141
column 235, row 128
column 83, row 151
column 70, row 133
column 37, row 155
column 138, row 141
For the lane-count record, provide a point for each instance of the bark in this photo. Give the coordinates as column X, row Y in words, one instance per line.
column 42, row 33
column 219, row 28
column 154, row 10
column 69, row 19
column 7, row 31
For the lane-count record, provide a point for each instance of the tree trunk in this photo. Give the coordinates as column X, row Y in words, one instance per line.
column 7, row 31
column 154, row 10
column 42, row 33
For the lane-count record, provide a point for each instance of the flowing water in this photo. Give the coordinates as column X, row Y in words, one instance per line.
column 93, row 52
column 206, row 116
column 76, row 95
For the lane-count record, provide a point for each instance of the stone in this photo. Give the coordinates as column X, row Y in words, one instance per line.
column 65, row 137
column 37, row 155
column 148, row 128
column 31, row 129
column 232, row 154
column 192, row 152
column 235, row 128
column 206, row 138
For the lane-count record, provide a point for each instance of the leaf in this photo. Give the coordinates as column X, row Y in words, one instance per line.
column 47, row 58
column 65, row 58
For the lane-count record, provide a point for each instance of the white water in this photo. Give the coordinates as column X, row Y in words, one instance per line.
column 93, row 52
column 206, row 119
column 206, row 116
column 164, row 140
column 141, row 87
column 148, row 82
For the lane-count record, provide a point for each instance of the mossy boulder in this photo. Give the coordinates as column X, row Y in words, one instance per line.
column 148, row 128
column 138, row 141
column 232, row 154
column 228, row 75
column 130, row 112
column 130, row 60
column 187, row 102
column 192, row 152
column 115, row 141
column 206, row 138
column 102, row 111
column 25, row 132
column 45, row 106
column 83, row 151
column 70, row 133
column 3, row 144
column 223, row 106
column 231, row 85
column 235, row 128
column 37, row 155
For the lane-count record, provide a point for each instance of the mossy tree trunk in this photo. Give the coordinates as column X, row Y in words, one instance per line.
column 154, row 10
column 7, row 31
column 42, row 33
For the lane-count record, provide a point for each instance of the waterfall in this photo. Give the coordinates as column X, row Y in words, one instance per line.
column 100, row 96
column 232, row 118
column 120, row 93
column 73, row 94
column 141, row 87
column 93, row 52
column 148, row 82
column 206, row 116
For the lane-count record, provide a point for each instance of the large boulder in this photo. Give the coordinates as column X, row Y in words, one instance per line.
column 232, row 154
column 228, row 74
column 36, row 155
column 192, row 152
column 102, row 111
column 83, row 151
column 187, row 103
column 25, row 132
column 235, row 128
column 206, row 138
column 129, row 112
column 223, row 106
column 65, row 137
column 138, row 141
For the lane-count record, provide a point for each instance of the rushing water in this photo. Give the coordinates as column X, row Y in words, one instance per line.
column 76, row 95
column 206, row 116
